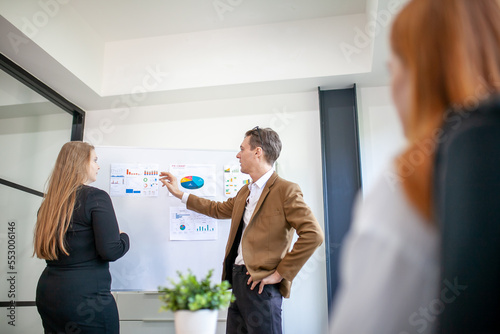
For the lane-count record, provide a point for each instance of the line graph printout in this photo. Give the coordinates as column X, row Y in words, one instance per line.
column 189, row 225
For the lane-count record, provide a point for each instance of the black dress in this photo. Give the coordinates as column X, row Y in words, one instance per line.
column 73, row 293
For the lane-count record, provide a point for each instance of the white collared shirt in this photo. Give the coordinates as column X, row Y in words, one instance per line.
column 256, row 189
column 255, row 192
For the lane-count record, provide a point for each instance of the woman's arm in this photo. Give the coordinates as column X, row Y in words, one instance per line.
column 109, row 242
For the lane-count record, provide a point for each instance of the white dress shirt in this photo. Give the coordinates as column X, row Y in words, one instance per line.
column 255, row 192
column 389, row 267
column 256, row 188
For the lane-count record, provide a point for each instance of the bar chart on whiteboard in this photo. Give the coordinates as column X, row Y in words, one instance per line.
column 133, row 180
column 189, row 225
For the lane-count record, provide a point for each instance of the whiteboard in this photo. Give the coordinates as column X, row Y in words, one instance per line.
column 153, row 256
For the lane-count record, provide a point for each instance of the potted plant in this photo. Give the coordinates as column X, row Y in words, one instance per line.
column 195, row 303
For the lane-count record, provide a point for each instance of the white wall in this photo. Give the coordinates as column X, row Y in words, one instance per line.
column 221, row 124
column 380, row 132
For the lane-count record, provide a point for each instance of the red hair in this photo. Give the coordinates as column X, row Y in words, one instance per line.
column 451, row 50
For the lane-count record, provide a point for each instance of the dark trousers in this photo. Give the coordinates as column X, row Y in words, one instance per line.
column 251, row 312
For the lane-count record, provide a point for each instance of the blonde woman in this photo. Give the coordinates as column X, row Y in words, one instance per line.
column 445, row 54
column 78, row 235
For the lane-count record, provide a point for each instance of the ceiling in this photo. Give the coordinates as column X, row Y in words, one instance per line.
column 132, row 21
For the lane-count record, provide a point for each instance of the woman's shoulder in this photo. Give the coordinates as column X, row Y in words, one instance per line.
column 385, row 212
column 386, row 197
column 89, row 192
column 84, row 188
column 461, row 122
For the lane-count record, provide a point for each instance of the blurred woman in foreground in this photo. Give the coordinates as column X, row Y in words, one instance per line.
column 445, row 63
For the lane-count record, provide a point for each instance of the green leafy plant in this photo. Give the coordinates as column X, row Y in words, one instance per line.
column 191, row 294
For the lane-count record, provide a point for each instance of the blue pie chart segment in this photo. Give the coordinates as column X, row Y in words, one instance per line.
column 192, row 182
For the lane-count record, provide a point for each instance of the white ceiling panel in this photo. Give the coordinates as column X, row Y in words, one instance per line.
column 117, row 20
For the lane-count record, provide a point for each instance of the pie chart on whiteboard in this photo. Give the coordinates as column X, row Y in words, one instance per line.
column 192, row 182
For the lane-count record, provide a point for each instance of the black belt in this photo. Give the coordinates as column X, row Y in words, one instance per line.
column 239, row 268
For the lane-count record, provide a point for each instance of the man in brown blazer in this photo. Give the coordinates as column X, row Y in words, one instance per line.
column 264, row 217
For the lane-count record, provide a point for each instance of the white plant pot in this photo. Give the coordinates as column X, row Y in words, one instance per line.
column 195, row 322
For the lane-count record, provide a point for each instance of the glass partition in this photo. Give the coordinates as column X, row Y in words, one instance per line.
column 32, row 131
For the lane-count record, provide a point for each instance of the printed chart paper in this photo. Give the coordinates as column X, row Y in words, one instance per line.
column 234, row 179
column 133, row 180
column 195, row 179
column 189, row 225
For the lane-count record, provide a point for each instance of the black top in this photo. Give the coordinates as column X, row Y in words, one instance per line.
column 73, row 287
column 93, row 234
column 466, row 201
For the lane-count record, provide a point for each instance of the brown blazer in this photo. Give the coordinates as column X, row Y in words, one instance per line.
column 280, row 211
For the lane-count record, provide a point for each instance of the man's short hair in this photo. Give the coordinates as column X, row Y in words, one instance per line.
column 268, row 140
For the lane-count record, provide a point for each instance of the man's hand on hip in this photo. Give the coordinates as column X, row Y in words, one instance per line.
column 271, row 279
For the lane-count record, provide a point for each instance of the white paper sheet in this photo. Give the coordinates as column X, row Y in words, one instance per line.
column 189, row 225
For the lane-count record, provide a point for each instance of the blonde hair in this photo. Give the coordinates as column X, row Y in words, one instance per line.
column 69, row 173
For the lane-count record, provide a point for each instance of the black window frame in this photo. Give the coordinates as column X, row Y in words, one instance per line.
column 20, row 74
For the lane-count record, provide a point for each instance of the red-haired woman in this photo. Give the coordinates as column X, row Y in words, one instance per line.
column 445, row 57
